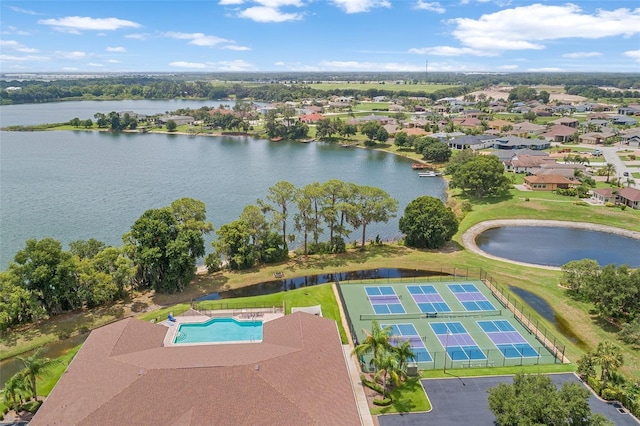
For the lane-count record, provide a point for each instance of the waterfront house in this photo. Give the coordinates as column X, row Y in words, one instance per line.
column 547, row 182
column 513, row 142
column 630, row 197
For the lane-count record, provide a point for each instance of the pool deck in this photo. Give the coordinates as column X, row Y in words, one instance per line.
column 246, row 315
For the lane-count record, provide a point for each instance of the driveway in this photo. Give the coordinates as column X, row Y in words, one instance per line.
column 464, row 401
column 611, row 156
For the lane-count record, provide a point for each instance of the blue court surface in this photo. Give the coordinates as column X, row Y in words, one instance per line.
column 507, row 339
column 403, row 332
column 427, row 298
column 458, row 343
column 384, row 300
column 471, row 298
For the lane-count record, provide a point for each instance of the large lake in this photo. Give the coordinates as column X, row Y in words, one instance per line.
column 78, row 185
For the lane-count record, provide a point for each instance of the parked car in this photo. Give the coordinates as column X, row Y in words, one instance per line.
column 625, row 174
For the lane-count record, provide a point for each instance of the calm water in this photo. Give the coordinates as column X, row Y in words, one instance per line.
column 220, row 330
column 78, row 185
column 554, row 246
column 59, row 112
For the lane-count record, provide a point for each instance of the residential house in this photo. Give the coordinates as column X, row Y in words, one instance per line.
column 595, row 138
column 474, row 142
column 178, row 119
column 499, row 124
column 525, row 129
column 630, row 197
column 630, row 110
column 566, row 121
column 311, row 118
column 526, row 163
column 559, row 133
column 124, row 374
column 630, row 137
column 547, row 182
column 467, row 123
column 623, row 120
column 604, row 195
column 512, row 142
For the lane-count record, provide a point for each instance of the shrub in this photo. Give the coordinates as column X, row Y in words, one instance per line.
column 382, row 402
column 623, row 207
column 580, row 203
column 609, row 204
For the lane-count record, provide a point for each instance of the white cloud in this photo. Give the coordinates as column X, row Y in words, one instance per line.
column 182, row 64
column 198, row 39
column 548, row 69
column 25, row 11
column 268, row 14
column 633, row 54
column 236, row 48
column 28, row 58
column 18, row 47
column 230, row 2
column 118, row 49
column 357, row 6
column 71, row 55
column 112, row 61
column 96, row 65
column 507, row 67
column 15, row 31
column 451, row 51
column 279, row 3
column 70, row 69
column 140, row 36
column 237, row 65
column 574, row 55
column 524, row 28
column 75, row 24
column 431, row 6
column 279, row 64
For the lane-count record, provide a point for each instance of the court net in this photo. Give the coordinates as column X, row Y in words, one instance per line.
column 431, row 315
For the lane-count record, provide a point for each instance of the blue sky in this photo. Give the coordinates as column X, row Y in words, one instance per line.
column 319, row 35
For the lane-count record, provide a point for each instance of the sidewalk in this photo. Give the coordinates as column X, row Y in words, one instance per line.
column 361, row 399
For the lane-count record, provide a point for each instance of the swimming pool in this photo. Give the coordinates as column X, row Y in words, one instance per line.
column 219, row 330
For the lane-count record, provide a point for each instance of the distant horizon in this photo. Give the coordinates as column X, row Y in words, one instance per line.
column 320, row 36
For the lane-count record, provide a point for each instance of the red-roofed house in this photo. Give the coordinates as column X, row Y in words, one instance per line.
column 311, row 118
column 123, row 375
column 629, row 197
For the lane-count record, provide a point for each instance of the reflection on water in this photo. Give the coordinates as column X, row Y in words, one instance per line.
column 545, row 310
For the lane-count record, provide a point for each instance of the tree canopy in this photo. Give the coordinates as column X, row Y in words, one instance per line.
column 428, row 223
column 535, row 400
column 480, row 176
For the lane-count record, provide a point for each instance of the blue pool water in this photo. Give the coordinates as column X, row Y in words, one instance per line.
column 219, row 330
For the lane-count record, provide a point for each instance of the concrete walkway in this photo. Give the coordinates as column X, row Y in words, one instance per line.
column 361, row 399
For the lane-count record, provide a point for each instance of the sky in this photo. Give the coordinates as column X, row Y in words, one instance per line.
column 319, row 35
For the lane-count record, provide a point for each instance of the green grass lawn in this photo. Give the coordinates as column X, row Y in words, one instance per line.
column 413, row 88
column 408, row 397
column 371, row 106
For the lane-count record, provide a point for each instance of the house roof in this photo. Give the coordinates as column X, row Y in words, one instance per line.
column 530, row 160
column 565, row 120
column 550, row 178
column 123, row 375
column 630, row 194
column 559, row 130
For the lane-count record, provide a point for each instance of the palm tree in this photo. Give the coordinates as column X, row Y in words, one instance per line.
column 609, row 169
column 34, row 367
column 377, row 341
column 404, row 353
column 609, row 357
column 387, row 366
column 13, row 389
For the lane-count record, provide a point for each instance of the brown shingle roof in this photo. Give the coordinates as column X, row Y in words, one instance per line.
column 630, row 194
column 122, row 375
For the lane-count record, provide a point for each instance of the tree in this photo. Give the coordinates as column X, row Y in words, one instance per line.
column 13, row 389
column 577, row 274
column 401, row 139
column 86, row 249
column 17, row 304
column 336, row 195
column 387, row 367
column 49, row 272
column 165, row 243
column 481, row 176
column 438, row 152
column 34, row 367
column 234, row 245
column 370, row 129
column 428, row 223
column 609, row 357
column 256, row 223
column 377, row 341
column 370, row 204
column 535, row 400
column 544, row 96
column 280, row 195
column 171, row 125
column 609, row 169
column 404, row 352
column 382, row 135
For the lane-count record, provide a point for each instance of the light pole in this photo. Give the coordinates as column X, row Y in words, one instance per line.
column 446, row 347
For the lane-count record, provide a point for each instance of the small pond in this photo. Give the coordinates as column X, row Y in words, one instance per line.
column 555, row 246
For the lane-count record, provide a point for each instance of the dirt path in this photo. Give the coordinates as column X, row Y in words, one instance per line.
column 469, row 237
